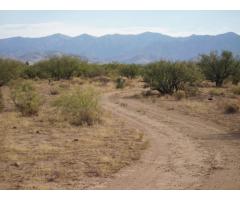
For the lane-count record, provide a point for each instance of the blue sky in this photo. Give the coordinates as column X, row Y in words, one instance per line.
column 175, row 23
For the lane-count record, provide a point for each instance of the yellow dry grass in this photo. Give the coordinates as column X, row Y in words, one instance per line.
column 42, row 152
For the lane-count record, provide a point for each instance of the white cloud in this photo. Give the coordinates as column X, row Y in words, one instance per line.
column 43, row 29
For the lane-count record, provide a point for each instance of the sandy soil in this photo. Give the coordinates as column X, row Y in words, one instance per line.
column 185, row 152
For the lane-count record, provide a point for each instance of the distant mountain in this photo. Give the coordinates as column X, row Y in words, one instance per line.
column 140, row 48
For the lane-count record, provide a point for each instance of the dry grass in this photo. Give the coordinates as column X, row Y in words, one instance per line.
column 208, row 104
column 180, row 94
column 44, row 153
column 236, row 90
column 216, row 92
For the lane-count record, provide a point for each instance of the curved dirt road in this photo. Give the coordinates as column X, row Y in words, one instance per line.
column 184, row 152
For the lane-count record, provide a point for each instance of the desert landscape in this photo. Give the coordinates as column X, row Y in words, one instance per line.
column 120, row 100
column 128, row 135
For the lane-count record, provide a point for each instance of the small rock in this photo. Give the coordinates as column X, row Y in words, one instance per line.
column 210, row 98
column 50, row 179
column 14, row 127
column 16, row 164
column 37, row 131
column 75, row 140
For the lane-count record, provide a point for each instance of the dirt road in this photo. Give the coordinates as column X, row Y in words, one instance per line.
column 184, row 152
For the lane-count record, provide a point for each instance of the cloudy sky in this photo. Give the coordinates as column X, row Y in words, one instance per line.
column 73, row 23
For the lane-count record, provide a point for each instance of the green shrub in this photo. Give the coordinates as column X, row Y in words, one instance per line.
column 235, row 77
column 63, row 67
column 90, row 70
column 80, row 106
column 25, row 98
column 169, row 77
column 236, row 90
column 218, row 68
column 1, row 101
column 10, row 69
column 120, row 83
column 130, row 71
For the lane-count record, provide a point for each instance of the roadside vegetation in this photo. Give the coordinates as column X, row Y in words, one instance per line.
column 79, row 107
column 25, row 97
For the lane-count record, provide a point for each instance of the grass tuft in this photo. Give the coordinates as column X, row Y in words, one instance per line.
column 80, row 106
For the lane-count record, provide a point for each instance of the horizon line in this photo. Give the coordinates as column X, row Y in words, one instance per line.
column 127, row 34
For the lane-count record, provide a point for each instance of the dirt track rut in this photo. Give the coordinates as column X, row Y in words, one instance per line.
column 182, row 153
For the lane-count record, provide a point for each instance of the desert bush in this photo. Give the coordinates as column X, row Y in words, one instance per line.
column 130, row 71
column 10, row 69
column 180, row 94
column 236, row 90
column 80, row 106
column 169, row 77
column 120, row 83
column 1, row 101
column 113, row 69
column 235, row 77
column 25, row 97
column 231, row 108
column 90, row 70
column 217, row 68
column 63, row 67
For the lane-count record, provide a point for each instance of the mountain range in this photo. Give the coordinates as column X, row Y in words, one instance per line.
column 140, row 48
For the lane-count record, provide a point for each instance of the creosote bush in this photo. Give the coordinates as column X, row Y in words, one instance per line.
column 130, row 71
column 57, row 68
column 25, row 97
column 218, row 68
column 10, row 70
column 169, row 77
column 80, row 106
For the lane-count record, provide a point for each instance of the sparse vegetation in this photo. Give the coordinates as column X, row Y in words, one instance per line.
column 25, row 97
column 65, row 152
column 80, row 106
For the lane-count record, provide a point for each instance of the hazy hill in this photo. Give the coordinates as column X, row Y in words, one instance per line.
column 141, row 48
